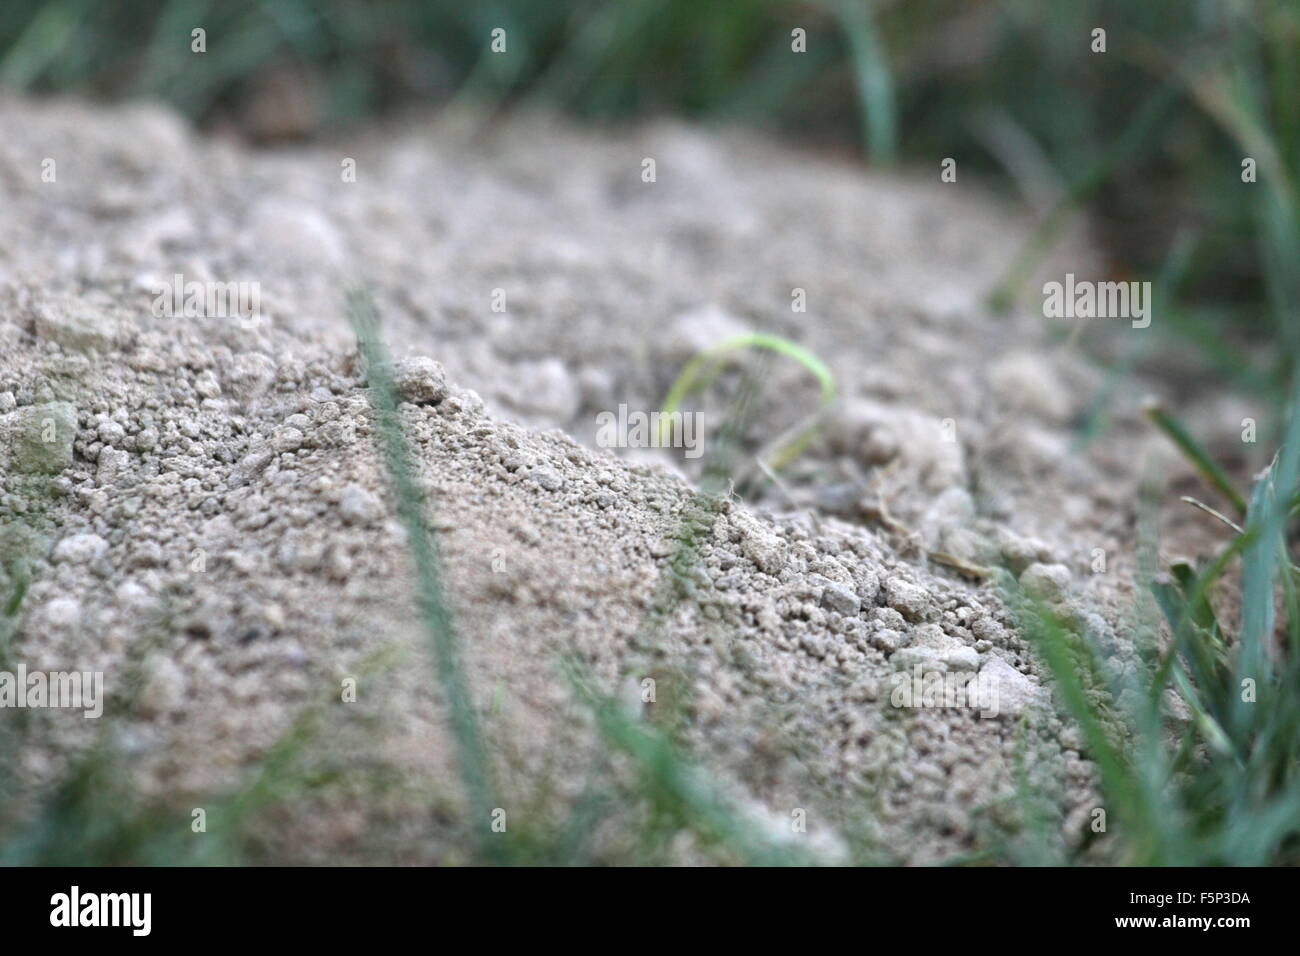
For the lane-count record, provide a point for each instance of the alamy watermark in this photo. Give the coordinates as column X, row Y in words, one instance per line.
column 1084, row 299
column 922, row 687
column 133, row 911
column 638, row 429
column 200, row 300
column 78, row 690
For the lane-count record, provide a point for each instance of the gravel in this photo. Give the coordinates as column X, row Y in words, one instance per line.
column 202, row 499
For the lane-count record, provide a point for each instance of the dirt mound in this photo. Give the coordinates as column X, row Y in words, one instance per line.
column 211, row 527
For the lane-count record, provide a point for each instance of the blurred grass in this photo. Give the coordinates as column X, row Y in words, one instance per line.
column 430, row 594
column 704, row 368
column 1222, row 785
column 677, row 795
column 1147, row 137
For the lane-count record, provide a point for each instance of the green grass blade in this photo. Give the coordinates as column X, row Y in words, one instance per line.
column 41, row 42
column 1206, row 466
column 431, row 599
column 1067, row 659
column 703, row 368
column 875, row 85
column 675, row 786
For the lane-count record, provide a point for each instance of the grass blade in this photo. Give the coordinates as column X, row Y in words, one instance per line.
column 431, row 599
column 703, row 368
column 1206, row 466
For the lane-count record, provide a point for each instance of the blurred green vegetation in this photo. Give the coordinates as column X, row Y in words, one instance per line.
column 1150, row 135
column 1148, row 138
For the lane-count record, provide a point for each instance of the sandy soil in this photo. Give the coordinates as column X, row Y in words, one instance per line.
column 212, row 528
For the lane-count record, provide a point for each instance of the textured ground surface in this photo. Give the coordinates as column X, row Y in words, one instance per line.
column 212, row 528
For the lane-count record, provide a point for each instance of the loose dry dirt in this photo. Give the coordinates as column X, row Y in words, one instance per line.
column 211, row 525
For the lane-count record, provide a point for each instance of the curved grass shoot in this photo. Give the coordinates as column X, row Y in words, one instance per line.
column 704, row 368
